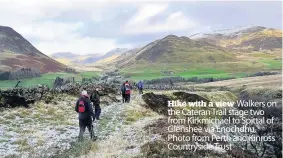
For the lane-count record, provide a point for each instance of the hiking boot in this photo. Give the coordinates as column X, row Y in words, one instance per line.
column 94, row 138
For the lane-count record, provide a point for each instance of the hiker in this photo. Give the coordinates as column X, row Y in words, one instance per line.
column 123, row 92
column 171, row 83
column 95, row 99
column 140, row 87
column 127, row 91
column 86, row 115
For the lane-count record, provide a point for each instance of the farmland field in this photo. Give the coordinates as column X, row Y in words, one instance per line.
column 202, row 70
column 46, row 79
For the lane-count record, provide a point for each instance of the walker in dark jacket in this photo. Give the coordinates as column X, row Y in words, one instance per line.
column 95, row 99
column 140, row 87
column 123, row 92
column 86, row 117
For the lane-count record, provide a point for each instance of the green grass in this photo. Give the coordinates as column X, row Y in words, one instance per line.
column 273, row 64
column 46, row 79
column 203, row 73
column 89, row 74
column 201, row 70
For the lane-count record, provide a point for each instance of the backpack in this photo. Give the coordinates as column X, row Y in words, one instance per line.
column 127, row 87
column 81, row 106
column 140, row 85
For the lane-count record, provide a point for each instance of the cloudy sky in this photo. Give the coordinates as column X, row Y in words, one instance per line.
column 89, row 26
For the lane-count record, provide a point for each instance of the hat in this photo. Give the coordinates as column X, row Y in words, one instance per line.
column 84, row 92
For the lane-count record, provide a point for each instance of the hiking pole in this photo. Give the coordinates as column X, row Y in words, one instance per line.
column 17, row 84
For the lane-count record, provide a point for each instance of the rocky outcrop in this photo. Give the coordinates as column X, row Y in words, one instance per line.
column 189, row 97
column 157, row 103
column 61, row 81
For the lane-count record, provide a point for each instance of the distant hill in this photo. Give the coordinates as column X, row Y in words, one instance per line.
column 71, row 58
column 174, row 49
column 65, row 55
column 16, row 52
column 116, row 51
column 247, row 38
column 108, row 57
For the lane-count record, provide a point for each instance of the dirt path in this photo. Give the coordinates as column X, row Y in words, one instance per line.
column 120, row 134
column 51, row 130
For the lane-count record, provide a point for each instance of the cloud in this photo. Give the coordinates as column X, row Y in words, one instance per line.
column 49, row 30
column 35, row 20
column 65, row 37
column 96, row 26
column 140, row 23
column 146, row 12
column 80, row 45
column 50, row 37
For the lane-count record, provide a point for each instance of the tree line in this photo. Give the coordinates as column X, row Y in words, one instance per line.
column 20, row 74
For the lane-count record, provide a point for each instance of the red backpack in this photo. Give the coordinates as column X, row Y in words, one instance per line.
column 81, row 106
column 127, row 88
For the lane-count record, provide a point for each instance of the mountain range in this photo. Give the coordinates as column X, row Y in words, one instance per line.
column 71, row 58
column 231, row 50
column 250, row 38
column 206, row 48
column 16, row 52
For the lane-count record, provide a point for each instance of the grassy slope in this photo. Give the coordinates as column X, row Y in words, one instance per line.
column 186, row 60
column 249, row 36
column 274, row 81
column 202, row 70
column 108, row 59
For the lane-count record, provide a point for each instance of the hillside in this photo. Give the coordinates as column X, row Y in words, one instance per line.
column 116, row 59
column 16, row 52
column 107, row 57
column 174, row 49
column 250, row 38
column 226, row 53
column 69, row 58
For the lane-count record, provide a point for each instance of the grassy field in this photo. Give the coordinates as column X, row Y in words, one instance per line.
column 273, row 64
column 202, row 70
column 89, row 74
column 46, row 79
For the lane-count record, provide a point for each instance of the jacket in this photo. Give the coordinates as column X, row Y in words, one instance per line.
column 140, row 85
column 95, row 98
column 123, row 88
column 88, row 109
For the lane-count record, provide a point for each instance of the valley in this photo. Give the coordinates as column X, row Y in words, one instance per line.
column 38, row 117
column 200, row 56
